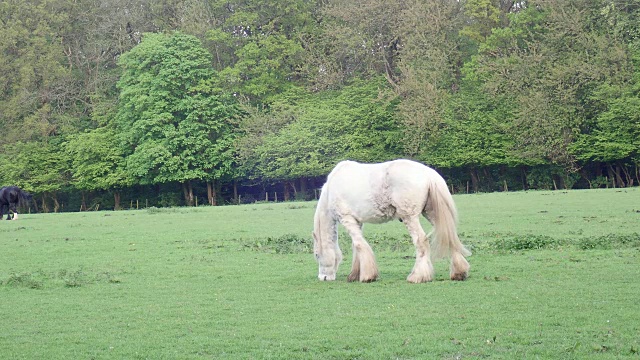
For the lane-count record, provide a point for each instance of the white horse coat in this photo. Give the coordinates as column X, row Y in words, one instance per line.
column 374, row 193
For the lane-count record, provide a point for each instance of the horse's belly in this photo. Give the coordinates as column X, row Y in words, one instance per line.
column 375, row 218
column 365, row 211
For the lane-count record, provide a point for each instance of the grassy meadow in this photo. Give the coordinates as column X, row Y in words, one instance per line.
column 554, row 275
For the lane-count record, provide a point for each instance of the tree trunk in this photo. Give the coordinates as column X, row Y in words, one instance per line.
column 621, row 182
column 83, row 205
column 56, row 204
column 188, row 193
column 211, row 193
column 45, row 208
column 292, row 184
column 474, row 179
column 523, row 171
column 35, row 204
column 235, row 192
column 627, row 175
column 489, row 179
column 287, row 195
column 116, row 200
column 303, row 187
column 614, row 175
column 585, row 175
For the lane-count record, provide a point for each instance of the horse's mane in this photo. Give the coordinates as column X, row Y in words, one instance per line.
column 320, row 211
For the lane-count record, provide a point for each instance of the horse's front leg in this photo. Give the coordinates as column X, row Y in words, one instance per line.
column 423, row 268
column 363, row 267
column 12, row 209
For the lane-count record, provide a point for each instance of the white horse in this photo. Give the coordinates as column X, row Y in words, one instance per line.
column 374, row 193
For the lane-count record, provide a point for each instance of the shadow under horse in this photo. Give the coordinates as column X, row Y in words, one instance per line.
column 10, row 197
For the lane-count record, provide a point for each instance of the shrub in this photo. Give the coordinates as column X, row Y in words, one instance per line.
column 527, row 242
column 285, row 244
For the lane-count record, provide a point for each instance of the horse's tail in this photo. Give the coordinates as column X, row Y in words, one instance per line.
column 441, row 212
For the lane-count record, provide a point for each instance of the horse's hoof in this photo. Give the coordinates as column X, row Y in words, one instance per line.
column 417, row 279
column 326, row 277
column 459, row 277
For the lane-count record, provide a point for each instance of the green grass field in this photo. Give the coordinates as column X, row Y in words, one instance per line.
column 554, row 275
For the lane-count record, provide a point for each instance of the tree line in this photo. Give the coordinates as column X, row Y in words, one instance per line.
column 173, row 102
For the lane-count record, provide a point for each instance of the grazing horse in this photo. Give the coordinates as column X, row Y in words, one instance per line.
column 10, row 196
column 374, row 193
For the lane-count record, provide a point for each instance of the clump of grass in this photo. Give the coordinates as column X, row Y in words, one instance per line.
column 167, row 210
column 14, row 229
column 539, row 242
column 109, row 277
column 285, row 244
column 527, row 242
column 26, row 279
column 609, row 241
column 74, row 278
column 154, row 210
column 67, row 278
column 299, row 206
column 295, row 244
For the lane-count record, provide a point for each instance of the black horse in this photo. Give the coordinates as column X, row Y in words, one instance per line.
column 10, row 196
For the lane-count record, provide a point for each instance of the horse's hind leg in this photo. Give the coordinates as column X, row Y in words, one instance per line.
column 423, row 268
column 459, row 267
column 364, row 267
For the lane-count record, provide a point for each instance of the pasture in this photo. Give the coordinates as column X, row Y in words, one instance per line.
column 553, row 275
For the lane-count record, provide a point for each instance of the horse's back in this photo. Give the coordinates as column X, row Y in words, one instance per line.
column 378, row 192
column 12, row 194
column 410, row 176
column 350, row 177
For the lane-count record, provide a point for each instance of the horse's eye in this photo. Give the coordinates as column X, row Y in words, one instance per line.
column 316, row 255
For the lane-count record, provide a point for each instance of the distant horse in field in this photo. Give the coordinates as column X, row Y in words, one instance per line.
column 375, row 193
column 10, row 196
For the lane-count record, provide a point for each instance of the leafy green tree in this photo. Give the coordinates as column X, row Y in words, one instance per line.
column 429, row 66
column 97, row 162
column 614, row 137
column 474, row 135
column 356, row 40
column 38, row 167
column 484, row 15
column 36, row 91
column 610, row 136
column 169, row 119
column 547, row 63
column 352, row 123
column 258, row 46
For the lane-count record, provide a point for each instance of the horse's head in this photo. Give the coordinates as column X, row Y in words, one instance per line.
column 328, row 256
